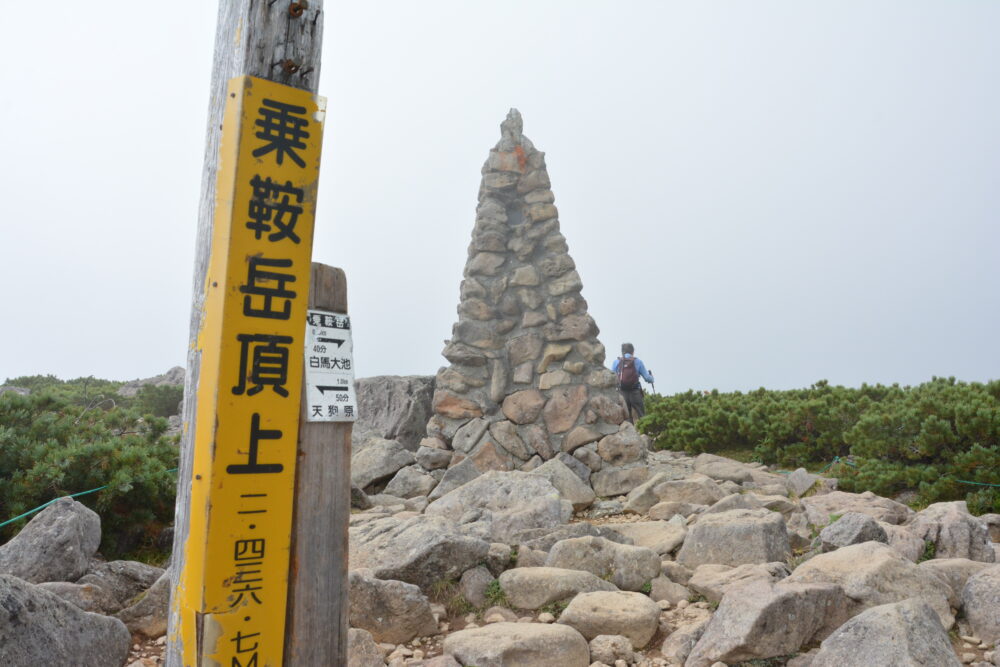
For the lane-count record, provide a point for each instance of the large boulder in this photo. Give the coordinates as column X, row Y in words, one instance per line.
column 362, row 651
column 393, row 407
column 872, row 574
column 420, row 550
column 57, row 545
column 411, row 482
column 567, row 482
column 735, row 538
column 123, row 580
column 535, row 587
column 618, row 480
column 820, row 509
column 695, row 490
column 660, row 536
column 714, row 581
column 908, row 632
column 631, row 615
column 722, row 469
column 954, row 532
column 642, row 498
column 981, row 604
column 147, row 615
column 392, row 611
column 543, row 539
column 509, row 502
column 625, row 446
column 380, row 459
column 628, row 567
column 753, row 621
column 956, row 571
column 39, row 628
column 852, row 528
column 518, row 644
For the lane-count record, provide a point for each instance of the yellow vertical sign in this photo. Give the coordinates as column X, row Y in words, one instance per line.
column 234, row 587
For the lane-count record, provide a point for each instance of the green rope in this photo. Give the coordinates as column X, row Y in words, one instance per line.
column 72, row 495
column 977, row 483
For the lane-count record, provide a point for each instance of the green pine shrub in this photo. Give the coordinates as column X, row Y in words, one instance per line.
column 60, row 441
column 932, row 438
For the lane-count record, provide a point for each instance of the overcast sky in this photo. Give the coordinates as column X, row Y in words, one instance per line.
column 755, row 193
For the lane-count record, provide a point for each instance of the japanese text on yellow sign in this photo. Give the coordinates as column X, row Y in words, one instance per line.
column 233, row 589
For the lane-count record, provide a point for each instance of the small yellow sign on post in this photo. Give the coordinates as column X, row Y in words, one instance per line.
column 233, row 589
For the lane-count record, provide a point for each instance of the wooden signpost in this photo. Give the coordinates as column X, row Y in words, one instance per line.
column 237, row 487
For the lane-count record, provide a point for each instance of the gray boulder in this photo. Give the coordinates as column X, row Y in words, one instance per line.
column 628, row 567
column 392, row 611
column 852, row 528
column 631, row 615
column 362, row 651
column 660, row 536
column 801, row 481
column 568, row 483
column 85, row 596
column 123, row 580
column 642, row 498
column 607, row 649
column 461, row 473
column 618, row 480
column 695, row 490
column 903, row 541
column 147, row 614
column 954, row 532
column 535, row 587
column 393, row 407
column 956, row 571
column 722, row 469
column 663, row 588
column 735, row 538
column 411, row 482
column 819, row 508
column 542, row 539
column 39, row 628
column 433, row 458
column 981, row 604
column 56, row 545
column 752, row 622
column 380, row 459
column 872, row 574
column 736, row 501
column 900, row 633
column 420, row 550
column 714, row 581
column 473, row 585
column 510, row 502
column 518, row 644
column 625, row 446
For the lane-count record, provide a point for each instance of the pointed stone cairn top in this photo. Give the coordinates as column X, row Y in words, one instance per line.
column 526, row 381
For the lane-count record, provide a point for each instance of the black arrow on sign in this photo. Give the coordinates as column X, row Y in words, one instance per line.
column 338, row 341
column 323, row 389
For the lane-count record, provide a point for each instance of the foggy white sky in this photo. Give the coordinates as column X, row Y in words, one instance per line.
column 755, row 194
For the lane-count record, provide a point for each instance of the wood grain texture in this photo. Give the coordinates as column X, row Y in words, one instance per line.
column 316, row 630
column 253, row 37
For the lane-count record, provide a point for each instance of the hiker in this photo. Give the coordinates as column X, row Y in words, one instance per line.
column 629, row 369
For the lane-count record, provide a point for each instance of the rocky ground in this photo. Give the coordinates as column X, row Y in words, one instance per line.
column 698, row 561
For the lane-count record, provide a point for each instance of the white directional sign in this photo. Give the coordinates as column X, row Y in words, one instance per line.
column 329, row 368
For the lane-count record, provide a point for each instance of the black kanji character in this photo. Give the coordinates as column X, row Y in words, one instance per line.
column 333, row 410
column 349, row 410
column 270, row 205
column 238, row 640
column 256, row 435
column 269, row 365
column 282, row 130
column 255, row 276
column 317, row 411
column 248, row 549
column 243, row 577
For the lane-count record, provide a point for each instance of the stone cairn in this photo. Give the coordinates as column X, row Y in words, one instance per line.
column 526, row 381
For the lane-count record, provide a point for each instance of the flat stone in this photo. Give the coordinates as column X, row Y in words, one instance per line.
column 524, row 348
column 563, row 408
column 617, row 481
column 628, row 567
column 579, row 436
column 569, row 485
column 713, row 581
column 660, row 536
column 535, row 587
column 520, row 644
column 735, row 538
column 632, row 615
column 624, row 447
column 392, row 611
column 523, row 407
column 451, row 406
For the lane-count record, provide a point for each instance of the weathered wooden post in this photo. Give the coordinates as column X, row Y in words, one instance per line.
column 317, row 585
column 244, row 371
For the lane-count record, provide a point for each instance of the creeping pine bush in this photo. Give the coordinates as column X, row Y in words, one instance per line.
column 55, row 443
column 934, row 438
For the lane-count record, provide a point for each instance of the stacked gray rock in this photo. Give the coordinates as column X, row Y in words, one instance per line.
column 526, row 379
